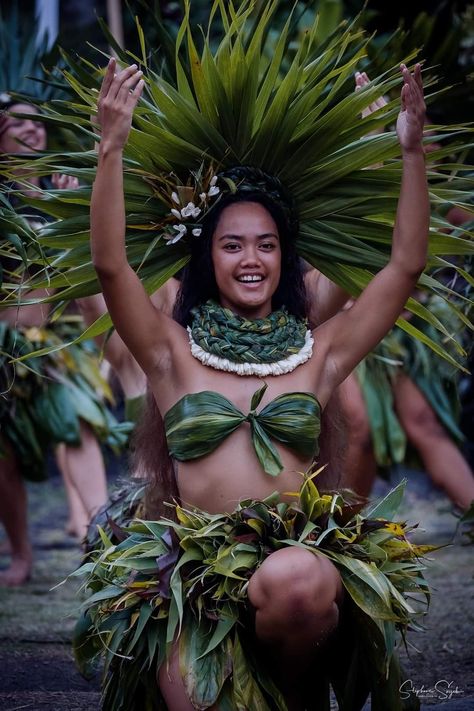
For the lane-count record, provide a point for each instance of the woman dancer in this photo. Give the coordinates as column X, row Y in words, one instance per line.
column 25, row 442
column 220, row 453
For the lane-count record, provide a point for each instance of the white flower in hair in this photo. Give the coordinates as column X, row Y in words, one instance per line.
column 181, row 230
column 5, row 98
column 190, row 210
column 213, row 189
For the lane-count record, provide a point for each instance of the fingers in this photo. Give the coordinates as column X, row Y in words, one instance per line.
column 122, row 86
column 137, row 91
column 64, row 182
column 412, row 90
column 113, row 82
column 125, row 76
column 129, row 84
column 417, row 75
column 72, row 183
column 118, row 98
column 414, row 81
column 412, row 116
column 108, row 78
column 403, row 97
column 362, row 80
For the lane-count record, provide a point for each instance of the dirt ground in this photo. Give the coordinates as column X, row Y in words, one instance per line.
column 36, row 666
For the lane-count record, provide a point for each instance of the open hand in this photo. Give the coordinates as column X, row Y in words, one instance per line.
column 361, row 80
column 411, row 119
column 118, row 97
column 64, row 182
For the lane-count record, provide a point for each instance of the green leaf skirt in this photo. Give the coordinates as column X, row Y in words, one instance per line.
column 44, row 398
column 151, row 582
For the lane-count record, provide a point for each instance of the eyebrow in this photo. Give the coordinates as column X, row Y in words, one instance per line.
column 265, row 235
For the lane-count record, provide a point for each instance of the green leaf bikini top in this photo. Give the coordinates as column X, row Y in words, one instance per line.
column 199, row 422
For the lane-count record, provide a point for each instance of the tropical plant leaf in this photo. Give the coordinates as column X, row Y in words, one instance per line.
column 251, row 97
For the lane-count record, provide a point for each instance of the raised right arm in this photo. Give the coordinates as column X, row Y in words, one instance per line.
column 143, row 329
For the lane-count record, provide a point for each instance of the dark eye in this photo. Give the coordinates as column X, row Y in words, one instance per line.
column 232, row 246
column 267, row 246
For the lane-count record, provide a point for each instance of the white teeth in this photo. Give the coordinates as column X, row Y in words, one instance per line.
column 250, row 278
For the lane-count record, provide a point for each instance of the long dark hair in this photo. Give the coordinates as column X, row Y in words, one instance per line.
column 150, row 455
column 151, row 460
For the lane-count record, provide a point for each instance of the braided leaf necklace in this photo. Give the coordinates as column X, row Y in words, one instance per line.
column 265, row 346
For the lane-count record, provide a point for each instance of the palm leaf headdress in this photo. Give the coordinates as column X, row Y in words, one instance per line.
column 253, row 100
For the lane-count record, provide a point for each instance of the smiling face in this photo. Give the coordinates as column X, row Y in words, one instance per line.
column 246, row 255
column 21, row 135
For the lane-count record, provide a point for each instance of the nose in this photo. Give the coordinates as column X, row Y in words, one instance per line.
column 250, row 256
column 31, row 125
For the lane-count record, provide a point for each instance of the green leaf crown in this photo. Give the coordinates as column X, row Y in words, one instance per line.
column 248, row 98
column 192, row 203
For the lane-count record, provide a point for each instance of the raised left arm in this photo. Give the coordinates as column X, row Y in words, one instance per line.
column 410, row 235
column 353, row 333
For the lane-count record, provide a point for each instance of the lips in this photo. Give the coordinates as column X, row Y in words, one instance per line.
column 31, row 141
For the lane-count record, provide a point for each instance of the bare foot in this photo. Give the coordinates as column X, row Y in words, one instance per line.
column 18, row 573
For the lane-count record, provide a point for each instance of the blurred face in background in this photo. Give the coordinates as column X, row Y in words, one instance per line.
column 21, row 135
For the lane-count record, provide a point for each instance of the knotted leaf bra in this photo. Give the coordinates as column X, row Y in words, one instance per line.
column 199, row 422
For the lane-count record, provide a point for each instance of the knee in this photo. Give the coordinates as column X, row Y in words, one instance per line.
column 293, row 584
column 421, row 423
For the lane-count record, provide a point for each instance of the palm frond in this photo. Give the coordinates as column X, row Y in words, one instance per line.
column 248, row 99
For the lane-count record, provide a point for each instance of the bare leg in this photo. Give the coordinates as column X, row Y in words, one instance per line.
column 78, row 517
column 441, row 458
column 296, row 595
column 86, row 470
column 172, row 686
column 360, row 468
column 13, row 515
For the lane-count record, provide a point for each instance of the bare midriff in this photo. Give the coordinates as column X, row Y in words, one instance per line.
column 218, row 481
